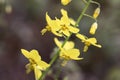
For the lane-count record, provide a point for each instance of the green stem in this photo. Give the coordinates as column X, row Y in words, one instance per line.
column 96, row 3
column 83, row 12
column 57, row 54
column 53, row 59
column 59, row 70
column 84, row 1
column 90, row 17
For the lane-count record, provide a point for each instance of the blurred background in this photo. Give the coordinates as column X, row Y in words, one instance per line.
column 22, row 20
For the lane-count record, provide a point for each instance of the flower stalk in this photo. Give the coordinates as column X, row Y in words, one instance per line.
column 66, row 39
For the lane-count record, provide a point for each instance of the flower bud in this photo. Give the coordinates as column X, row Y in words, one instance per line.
column 65, row 2
column 96, row 13
column 93, row 28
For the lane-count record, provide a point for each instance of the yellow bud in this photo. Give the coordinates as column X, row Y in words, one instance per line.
column 65, row 2
column 43, row 31
column 96, row 13
column 93, row 28
column 85, row 49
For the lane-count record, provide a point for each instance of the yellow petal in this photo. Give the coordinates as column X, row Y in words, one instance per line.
column 48, row 19
column 65, row 2
column 35, row 55
column 37, row 72
column 25, row 53
column 73, row 29
column 66, row 32
column 58, row 43
column 93, row 28
column 85, row 48
column 96, row 12
column 80, row 36
column 43, row 65
column 57, row 34
column 43, row 31
column 72, row 21
column 69, row 45
column 64, row 19
column 53, row 25
column 73, row 54
column 92, row 40
column 97, row 45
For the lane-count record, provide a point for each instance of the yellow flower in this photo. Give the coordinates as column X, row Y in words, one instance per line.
column 96, row 12
column 65, row 2
column 93, row 28
column 52, row 25
column 67, row 24
column 88, row 41
column 60, row 27
column 35, row 64
column 68, row 52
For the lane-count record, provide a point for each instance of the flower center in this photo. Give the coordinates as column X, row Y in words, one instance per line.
column 64, row 27
column 66, row 57
column 32, row 61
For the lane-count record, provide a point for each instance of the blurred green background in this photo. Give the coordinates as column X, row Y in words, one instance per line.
column 22, row 20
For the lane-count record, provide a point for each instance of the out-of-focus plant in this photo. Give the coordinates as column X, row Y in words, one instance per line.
column 6, row 6
column 63, row 27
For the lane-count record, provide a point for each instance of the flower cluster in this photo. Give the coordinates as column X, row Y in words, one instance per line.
column 35, row 64
column 66, row 26
column 62, row 27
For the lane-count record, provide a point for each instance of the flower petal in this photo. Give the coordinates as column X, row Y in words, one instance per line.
column 37, row 72
column 65, row 20
column 73, row 29
column 35, row 55
column 43, row 65
column 73, row 54
column 57, row 42
column 69, row 45
column 66, row 32
column 80, row 36
column 25, row 53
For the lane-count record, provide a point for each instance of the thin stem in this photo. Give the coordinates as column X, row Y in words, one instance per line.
column 90, row 17
column 67, row 38
column 59, row 70
column 84, row 1
column 83, row 12
column 54, row 59
column 96, row 3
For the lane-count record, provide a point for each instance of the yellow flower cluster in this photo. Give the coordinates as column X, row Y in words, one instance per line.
column 35, row 64
column 62, row 27
column 68, row 52
column 65, row 26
